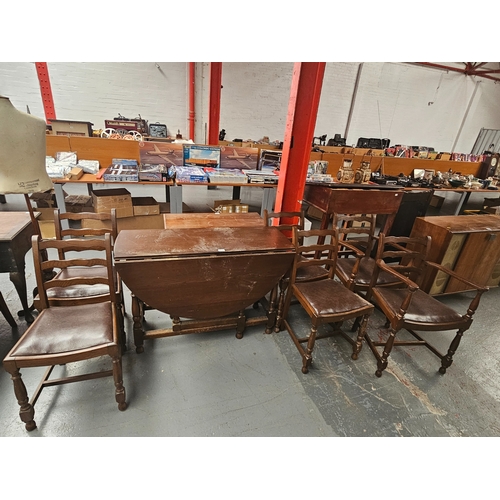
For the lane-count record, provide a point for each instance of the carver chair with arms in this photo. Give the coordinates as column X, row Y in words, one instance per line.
column 63, row 333
column 407, row 307
column 324, row 299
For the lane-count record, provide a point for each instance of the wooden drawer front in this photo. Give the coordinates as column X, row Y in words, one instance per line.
column 478, row 257
column 449, row 259
column 495, row 276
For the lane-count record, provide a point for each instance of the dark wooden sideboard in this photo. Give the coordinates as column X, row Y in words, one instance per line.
column 467, row 244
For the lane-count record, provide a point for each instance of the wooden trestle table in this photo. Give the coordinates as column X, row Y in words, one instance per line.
column 204, row 278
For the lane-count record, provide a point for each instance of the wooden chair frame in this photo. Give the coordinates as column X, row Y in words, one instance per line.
column 324, row 299
column 407, row 307
column 57, row 336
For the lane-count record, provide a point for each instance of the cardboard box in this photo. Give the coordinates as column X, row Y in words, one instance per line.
column 46, row 199
column 436, row 201
column 135, row 222
column 106, row 199
column 46, row 222
column 47, row 229
column 71, row 127
column 77, row 203
column 145, row 205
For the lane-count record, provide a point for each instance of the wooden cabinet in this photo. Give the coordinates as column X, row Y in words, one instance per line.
column 467, row 244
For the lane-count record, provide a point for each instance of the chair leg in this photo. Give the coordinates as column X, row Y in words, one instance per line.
column 272, row 314
column 382, row 362
column 281, row 303
column 121, row 325
column 358, row 344
column 119, row 389
column 447, row 360
column 307, row 357
column 26, row 411
column 138, row 316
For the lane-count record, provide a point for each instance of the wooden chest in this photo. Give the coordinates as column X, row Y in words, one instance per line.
column 467, row 244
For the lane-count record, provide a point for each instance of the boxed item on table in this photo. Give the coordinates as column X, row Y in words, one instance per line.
column 75, row 173
column 226, row 175
column 124, row 161
column 66, row 157
column 89, row 166
column 106, row 199
column 155, row 173
column 58, row 170
column 121, row 173
column 201, row 156
column 190, row 174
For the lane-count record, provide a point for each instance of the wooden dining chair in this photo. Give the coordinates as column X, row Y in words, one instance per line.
column 67, row 332
column 409, row 308
column 359, row 231
column 88, row 225
column 285, row 222
column 324, row 299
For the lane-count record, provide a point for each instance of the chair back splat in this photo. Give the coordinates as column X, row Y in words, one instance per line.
column 326, row 301
column 88, row 225
column 407, row 307
column 358, row 231
column 67, row 331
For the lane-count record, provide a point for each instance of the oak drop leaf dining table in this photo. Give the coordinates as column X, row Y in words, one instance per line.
column 204, row 278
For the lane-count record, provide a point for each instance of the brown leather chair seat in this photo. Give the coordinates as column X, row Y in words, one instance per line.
column 79, row 333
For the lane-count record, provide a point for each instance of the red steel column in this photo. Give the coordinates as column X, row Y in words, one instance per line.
column 305, row 93
column 214, row 103
column 191, row 86
column 46, row 90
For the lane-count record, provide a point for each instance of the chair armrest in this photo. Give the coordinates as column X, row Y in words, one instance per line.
column 453, row 274
column 407, row 281
column 359, row 253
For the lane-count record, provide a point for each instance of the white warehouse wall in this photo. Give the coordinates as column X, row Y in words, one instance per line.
column 406, row 103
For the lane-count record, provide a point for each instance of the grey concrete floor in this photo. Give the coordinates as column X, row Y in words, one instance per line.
column 216, row 385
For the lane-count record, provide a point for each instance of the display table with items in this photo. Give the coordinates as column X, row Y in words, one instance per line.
column 204, row 278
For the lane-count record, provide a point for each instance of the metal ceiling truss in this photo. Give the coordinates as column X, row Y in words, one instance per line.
column 469, row 69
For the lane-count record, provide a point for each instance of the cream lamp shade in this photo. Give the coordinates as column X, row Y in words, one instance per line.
column 22, row 151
